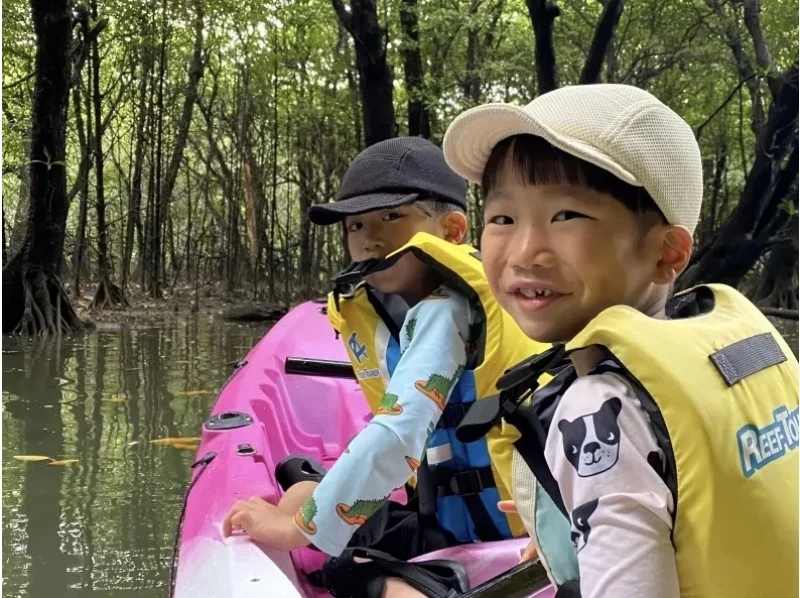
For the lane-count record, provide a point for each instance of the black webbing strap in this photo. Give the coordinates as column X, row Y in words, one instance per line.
column 531, row 449
column 468, row 485
column 484, row 526
column 746, row 357
column 462, row 483
column 348, row 278
column 426, row 505
column 452, row 415
column 569, row 589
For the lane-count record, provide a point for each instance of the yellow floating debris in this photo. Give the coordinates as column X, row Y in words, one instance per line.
column 62, row 463
column 194, row 393
column 185, row 446
column 32, row 458
column 173, row 441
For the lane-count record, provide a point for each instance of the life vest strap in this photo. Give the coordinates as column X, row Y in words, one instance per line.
column 443, row 482
column 452, row 415
column 462, row 483
column 569, row 589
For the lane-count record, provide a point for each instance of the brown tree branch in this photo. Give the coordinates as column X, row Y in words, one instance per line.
column 752, row 20
column 777, row 312
column 601, row 40
column 345, row 18
column 699, row 130
column 542, row 14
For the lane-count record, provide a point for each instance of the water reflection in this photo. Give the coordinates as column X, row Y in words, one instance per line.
column 104, row 526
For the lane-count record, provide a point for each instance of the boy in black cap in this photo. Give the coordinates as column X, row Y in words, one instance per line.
column 416, row 327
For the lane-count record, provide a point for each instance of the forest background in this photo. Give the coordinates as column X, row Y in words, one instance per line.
column 157, row 149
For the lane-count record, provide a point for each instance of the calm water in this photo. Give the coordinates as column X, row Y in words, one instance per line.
column 104, row 525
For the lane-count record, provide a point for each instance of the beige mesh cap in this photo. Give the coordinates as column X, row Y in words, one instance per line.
column 620, row 128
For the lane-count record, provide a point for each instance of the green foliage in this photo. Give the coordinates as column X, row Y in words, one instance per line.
column 280, row 78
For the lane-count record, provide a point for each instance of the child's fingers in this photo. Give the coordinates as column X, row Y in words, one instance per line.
column 529, row 552
column 232, row 518
column 507, row 506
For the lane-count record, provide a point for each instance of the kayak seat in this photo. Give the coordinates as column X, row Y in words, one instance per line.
column 297, row 468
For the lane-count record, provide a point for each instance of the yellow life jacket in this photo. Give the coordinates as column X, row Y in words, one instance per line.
column 370, row 336
column 721, row 389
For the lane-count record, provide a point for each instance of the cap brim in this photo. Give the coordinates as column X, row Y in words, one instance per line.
column 331, row 213
column 472, row 136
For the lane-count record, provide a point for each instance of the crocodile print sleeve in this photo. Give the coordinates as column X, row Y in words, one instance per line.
column 388, row 451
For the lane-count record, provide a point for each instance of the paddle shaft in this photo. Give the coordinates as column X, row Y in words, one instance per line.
column 302, row 366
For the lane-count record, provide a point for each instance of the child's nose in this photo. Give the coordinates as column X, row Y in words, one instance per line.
column 372, row 244
column 530, row 247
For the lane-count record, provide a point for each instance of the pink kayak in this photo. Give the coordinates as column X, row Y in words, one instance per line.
column 262, row 415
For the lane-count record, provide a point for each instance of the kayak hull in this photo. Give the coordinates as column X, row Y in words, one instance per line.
column 262, row 415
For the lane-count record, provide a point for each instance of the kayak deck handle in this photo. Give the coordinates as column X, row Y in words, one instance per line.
column 228, row 420
column 302, row 366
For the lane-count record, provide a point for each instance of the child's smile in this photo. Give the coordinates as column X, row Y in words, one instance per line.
column 534, row 296
column 556, row 255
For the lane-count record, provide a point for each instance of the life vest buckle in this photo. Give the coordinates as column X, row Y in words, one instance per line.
column 350, row 276
column 472, row 481
column 527, row 372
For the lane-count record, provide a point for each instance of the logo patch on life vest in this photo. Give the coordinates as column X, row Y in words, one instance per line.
column 591, row 442
column 761, row 446
column 367, row 374
column 359, row 351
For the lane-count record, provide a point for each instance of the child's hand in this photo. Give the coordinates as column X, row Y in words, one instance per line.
column 529, row 552
column 263, row 523
column 509, row 506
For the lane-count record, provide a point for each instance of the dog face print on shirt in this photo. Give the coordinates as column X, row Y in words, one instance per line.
column 591, row 442
column 580, row 524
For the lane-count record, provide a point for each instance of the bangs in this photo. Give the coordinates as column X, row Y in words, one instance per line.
column 535, row 161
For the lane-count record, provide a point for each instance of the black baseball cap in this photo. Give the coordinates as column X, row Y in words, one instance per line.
column 393, row 173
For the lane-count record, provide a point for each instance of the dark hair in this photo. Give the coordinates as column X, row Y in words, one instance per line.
column 538, row 162
column 435, row 206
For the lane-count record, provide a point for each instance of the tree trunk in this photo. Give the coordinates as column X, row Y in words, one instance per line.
column 306, row 192
column 254, row 218
column 107, row 292
column 20, row 221
column 542, row 14
column 85, row 140
column 185, row 262
column 601, row 41
column 195, row 73
column 418, row 116
column 155, row 211
column 777, row 285
column 134, row 222
column 273, row 210
column 34, row 302
column 374, row 77
column 740, row 241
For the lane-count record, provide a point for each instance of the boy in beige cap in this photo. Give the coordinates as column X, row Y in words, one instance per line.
column 671, row 441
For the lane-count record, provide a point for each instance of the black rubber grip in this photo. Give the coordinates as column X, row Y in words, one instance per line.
column 318, row 367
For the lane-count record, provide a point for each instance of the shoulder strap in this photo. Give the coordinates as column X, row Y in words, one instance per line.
column 533, row 422
column 516, row 385
column 531, row 448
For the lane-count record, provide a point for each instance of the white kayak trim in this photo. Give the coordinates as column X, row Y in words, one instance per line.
column 232, row 568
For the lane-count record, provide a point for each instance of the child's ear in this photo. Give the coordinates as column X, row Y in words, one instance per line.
column 455, row 226
column 676, row 251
